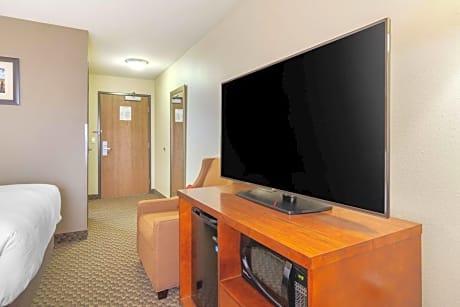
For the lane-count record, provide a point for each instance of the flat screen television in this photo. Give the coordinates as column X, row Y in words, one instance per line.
column 311, row 131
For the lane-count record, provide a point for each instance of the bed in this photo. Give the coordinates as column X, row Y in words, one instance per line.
column 29, row 214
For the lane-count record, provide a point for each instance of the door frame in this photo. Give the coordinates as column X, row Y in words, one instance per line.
column 181, row 89
column 99, row 142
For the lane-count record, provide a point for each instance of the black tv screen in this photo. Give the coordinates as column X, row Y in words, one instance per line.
column 314, row 125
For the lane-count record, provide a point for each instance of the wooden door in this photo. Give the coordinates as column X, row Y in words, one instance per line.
column 178, row 99
column 124, row 145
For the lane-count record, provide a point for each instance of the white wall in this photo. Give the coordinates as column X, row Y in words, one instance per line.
column 425, row 104
column 113, row 85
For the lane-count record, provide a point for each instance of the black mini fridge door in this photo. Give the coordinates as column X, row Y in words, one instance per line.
column 204, row 259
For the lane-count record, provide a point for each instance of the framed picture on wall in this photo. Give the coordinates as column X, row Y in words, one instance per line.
column 9, row 80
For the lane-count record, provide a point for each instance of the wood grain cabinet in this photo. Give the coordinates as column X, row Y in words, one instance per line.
column 352, row 258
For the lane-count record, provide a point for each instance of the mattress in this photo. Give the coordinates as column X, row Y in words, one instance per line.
column 29, row 214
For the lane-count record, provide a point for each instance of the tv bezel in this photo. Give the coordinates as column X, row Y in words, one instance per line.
column 386, row 207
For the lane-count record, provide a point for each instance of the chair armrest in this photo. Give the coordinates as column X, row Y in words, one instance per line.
column 157, row 205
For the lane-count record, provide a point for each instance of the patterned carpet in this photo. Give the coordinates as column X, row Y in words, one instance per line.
column 103, row 270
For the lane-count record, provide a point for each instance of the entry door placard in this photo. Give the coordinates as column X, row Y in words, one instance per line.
column 125, row 113
column 179, row 115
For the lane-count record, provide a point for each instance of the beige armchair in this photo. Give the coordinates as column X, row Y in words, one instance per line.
column 158, row 231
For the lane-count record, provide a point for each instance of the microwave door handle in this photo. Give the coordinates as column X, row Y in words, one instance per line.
column 287, row 273
column 248, row 270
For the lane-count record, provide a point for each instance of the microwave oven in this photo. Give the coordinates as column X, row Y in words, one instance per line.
column 280, row 280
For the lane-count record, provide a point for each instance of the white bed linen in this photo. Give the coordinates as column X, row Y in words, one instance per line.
column 29, row 214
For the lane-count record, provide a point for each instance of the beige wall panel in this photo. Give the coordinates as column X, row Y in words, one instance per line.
column 42, row 140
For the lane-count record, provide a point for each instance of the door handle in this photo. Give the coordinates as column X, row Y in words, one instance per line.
column 105, row 148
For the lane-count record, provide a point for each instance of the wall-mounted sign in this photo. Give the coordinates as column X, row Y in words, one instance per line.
column 125, row 113
column 179, row 116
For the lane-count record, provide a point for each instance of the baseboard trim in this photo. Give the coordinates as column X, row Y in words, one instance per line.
column 68, row 237
column 154, row 191
column 94, row 196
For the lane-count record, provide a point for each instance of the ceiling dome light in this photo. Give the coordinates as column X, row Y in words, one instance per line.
column 136, row 64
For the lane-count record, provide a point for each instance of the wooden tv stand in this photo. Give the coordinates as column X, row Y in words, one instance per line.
column 353, row 258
